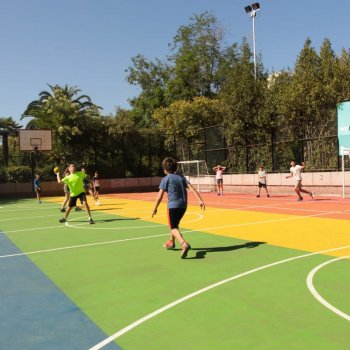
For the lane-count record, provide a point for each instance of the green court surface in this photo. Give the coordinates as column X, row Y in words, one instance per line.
column 238, row 294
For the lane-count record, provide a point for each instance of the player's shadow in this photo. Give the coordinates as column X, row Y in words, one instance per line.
column 119, row 219
column 202, row 252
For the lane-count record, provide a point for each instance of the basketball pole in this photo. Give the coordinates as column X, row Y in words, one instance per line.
column 32, row 170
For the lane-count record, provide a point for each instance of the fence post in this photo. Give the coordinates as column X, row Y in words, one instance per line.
column 273, row 149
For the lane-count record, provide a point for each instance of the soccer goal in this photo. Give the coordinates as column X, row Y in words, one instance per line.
column 344, row 152
column 196, row 172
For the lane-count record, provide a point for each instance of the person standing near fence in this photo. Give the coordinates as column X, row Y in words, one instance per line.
column 96, row 187
column 176, row 186
column 219, row 170
column 262, row 180
column 37, row 187
column 295, row 171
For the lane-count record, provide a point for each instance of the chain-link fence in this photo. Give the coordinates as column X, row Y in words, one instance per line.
column 320, row 154
column 139, row 154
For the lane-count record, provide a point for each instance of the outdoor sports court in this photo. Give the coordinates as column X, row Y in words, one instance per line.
column 263, row 273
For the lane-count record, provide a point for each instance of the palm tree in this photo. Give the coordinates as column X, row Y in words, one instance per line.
column 7, row 127
column 60, row 106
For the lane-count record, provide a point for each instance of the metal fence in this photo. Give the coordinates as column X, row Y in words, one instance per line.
column 319, row 154
column 140, row 154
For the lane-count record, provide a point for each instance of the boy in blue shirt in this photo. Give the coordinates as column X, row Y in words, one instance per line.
column 37, row 187
column 176, row 186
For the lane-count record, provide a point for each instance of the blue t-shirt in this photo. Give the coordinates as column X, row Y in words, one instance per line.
column 36, row 183
column 176, row 187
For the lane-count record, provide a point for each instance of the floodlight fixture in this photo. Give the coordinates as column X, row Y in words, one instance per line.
column 248, row 9
column 256, row 6
column 251, row 10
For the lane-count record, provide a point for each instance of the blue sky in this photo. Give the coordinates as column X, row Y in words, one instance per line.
column 89, row 43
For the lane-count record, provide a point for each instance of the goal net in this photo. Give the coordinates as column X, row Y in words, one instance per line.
column 344, row 152
column 196, row 172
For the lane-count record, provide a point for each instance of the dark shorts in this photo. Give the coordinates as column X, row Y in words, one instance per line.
column 97, row 188
column 73, row 200
column 174, row 216
column 261, row 185
column 219, row 181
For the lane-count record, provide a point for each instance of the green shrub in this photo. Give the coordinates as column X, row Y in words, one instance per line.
column 46, row 172
column 19, row 174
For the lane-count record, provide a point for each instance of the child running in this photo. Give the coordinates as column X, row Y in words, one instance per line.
column 176, row 186
column 295, row 171
column 75, row 181
column 262, row 180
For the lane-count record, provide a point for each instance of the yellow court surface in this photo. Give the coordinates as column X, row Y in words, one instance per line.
column 309, row 228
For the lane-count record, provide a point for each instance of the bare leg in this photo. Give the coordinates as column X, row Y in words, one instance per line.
column 298, row 192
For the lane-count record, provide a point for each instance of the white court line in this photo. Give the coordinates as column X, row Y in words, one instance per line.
column 201, row 291
column 81, row 246
column 68, row 223
column 199, row 230
column 312, row 289
column 29, row 217
column 146, row 237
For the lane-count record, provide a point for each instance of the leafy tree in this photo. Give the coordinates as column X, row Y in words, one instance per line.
column 152, row 78
column 244, row 96
column 196, row 55
column 183, row 119
column 70, row 116
column 197, row 66
column 8, row 127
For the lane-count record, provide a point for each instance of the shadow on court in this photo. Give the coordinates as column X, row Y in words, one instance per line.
column 107, row 220
column 202, row 252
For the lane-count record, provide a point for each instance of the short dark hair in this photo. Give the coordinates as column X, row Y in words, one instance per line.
column 169, row 164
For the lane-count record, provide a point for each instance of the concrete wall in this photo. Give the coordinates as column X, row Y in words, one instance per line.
column 328, row 183
column 106, row 185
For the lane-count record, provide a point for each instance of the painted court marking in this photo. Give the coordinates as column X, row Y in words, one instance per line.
column 312, row 289
column 69, row 223
column 201, row 291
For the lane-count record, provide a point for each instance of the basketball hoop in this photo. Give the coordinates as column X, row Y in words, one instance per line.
column 35, row 140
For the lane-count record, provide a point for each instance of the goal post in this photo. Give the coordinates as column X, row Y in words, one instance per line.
column 196, row 171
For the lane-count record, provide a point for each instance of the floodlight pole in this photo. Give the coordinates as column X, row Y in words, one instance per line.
column 252, row 10
column 252, row 15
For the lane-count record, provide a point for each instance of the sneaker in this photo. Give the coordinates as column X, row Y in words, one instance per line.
column 63, row 220
column 78, row 209
column 97, row 203
column 312, row 195
column 63, row 210
column 91, row 222
column 300, row 199
column 169, row 244
column 218, row 194
column 257, row 196
column 185, row 250
column 268, row 196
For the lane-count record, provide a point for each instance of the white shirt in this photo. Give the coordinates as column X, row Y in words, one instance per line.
column 262, row 176
column 296, row 172
column 218, row 174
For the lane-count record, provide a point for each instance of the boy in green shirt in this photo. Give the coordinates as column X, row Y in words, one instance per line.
column 75, row 181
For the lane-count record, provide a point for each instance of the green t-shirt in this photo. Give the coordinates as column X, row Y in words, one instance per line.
column 75, row 182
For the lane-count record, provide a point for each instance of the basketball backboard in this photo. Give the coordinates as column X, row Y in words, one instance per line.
column 35, row 140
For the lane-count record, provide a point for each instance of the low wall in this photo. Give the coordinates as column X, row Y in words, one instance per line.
column 326, row 183
column 51, row 188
